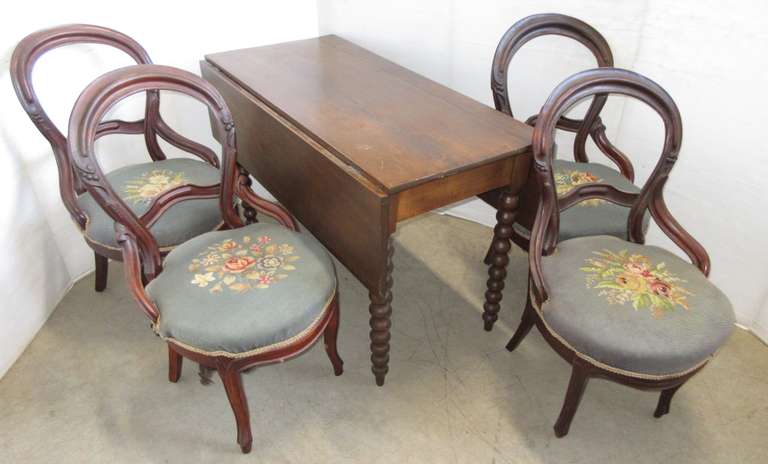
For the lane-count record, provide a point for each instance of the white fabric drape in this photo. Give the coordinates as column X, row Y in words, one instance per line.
column 708, row 55
column 42, row 250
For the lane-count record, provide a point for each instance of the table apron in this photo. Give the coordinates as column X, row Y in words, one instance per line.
column 342, row 210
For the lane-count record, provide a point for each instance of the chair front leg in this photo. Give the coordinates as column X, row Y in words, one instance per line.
column 329, row 338
column 233, row 384
column 576, row 387
column 174, row 364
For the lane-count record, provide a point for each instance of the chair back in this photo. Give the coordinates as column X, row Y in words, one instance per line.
column 23, row 60
column 602, row 82
column 85, row 125
column 540, row 25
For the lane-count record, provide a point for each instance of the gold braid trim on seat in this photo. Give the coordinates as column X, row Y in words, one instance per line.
column 261, row 349
column 606, row 367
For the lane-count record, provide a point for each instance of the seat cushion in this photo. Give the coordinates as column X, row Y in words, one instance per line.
column 593, row 216
column 235, row 291
column 633, row 307
column 139, row 184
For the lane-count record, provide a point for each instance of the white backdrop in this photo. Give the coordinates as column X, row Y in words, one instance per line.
column 709, row 55
column 42, row 250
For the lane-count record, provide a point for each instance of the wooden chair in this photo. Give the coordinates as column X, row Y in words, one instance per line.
column 579, row 218
column 231, row 299
column 613, row 308
column 141, row 182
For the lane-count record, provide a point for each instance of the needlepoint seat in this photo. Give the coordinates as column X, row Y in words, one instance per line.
column 236, row 291
column 138, row 184
column 655, row 313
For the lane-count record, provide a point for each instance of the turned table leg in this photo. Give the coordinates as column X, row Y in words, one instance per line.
column 249, row 212
column 499, row 257
column 381, row 314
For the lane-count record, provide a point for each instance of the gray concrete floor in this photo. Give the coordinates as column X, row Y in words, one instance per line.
column 92, row 386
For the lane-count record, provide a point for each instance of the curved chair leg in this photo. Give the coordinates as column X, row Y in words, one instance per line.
column 664, row 399
column 576, row 387
column 527, row 321
column 233, row 384
column 102, row 266
column 174, row 365
column 329, row 338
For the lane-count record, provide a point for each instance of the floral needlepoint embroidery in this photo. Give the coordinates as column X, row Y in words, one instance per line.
column 151, row 184
column 622, row 277
column 241, row 266
column 567, row 180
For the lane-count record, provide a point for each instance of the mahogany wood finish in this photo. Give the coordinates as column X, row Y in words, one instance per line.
column 592, row 126
column 545, row 228
column 142, row 258
column 102, row 268
column 352, row 143
column 499, row 257
column 23, row 60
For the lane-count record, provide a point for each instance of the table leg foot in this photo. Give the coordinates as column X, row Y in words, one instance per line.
column 381, row 321
column 499, row 257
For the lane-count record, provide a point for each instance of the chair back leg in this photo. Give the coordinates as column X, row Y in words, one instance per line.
column 102, row 266
column 527, row 321
column 664, row 399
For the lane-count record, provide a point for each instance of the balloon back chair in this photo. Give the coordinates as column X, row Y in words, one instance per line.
column 579, row 218
column 613, row 308
column 231, row 299
column 141, row 182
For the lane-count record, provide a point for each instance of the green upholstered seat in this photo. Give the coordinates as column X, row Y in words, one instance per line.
column 138, row 184
column 633, row 307
column 595, row 216
column 236, row 291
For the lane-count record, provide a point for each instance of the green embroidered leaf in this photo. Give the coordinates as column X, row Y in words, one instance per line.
column 608, row 284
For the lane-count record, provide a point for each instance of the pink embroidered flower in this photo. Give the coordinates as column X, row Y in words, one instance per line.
column 263, row 240
column 238, row 264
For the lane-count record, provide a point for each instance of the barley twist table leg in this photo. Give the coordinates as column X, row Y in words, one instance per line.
column 381, row 313
column 499, row 257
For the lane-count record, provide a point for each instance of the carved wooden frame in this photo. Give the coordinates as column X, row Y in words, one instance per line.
column 142, row 257
column 592, row 126
column 602, row 82
column 23, row 60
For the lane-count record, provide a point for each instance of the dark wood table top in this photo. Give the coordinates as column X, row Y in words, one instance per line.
column 395, row 127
